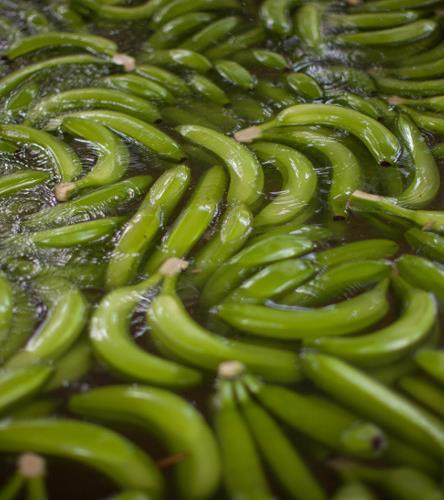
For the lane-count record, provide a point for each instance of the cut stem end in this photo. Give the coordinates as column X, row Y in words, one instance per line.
column 230, row 369
column 248, row 134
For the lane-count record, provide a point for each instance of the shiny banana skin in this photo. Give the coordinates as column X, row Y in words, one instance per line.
column 142, row 228
column 23, row 324
column 104, row 450
column 234, row 229
column 274, row 94
column 426, row 243
column 281, row 322
column 347, row 175
column 246, row 176
column 383, row 145
column 371, row 20
column 336, row 281
column 432, row 122
column 140, row 86
column 109, row 335
column 71, row 367
column 251, row 258
column 66, row 317
column 357, row 103
column 145, row 133
column 397, row 35
column 112, row 161
column 91, row 43
column 159, row 410
column 272, row 281
column 194, row 219
column 433, row 69
column 425, row 182
column 423, row 390
column 179, row 7
column 356, row 250
column 170, row 33
column 308, row 26
column 432, row 103
column 105, row 200
column 382, row 405
column 417, row 318
column 83, row 233
column 275, row 15
column 175, row 84
column 299, row 182
column 265, row 58
column 432, row 362
column 390, row 5
column 6, row 306
column 304, row 85
column 20, row 383
column 422, row 273
column 181, row 58
column 433, row 54
column 178, row 335
column 277, row 450
column 208, row 90
column 407, row 88
column 213, row 32
column 20, row 100
column 90, row 98
column 12, row 80
column 64, row 159
column 244, row 475
column 23, row 179
column 398, row 482
column 107, row 10
column 236, row 42
column 320, row 419
column 235, row 74
column 432, row 220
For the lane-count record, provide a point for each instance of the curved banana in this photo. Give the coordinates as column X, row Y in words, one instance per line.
column 379, row 140
column 178, row 335
column 245, row 171
column 418, row 316
column 95, row 446
column 161, row 411
column 343, row 318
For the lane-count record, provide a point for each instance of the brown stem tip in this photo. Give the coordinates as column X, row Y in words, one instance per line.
column 230, row 369
column 62, row 190
column 173, row 266
column 365, row 196
column 395, row 100
column 171, row 460
column 31, row 465
column 247, row 134
column 128, row 62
